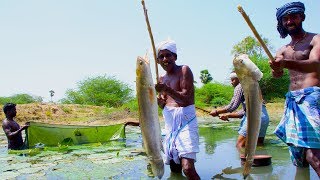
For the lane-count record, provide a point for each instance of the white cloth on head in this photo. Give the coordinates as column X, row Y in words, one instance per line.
column 168, row 45
column 181, row 129
column 233, row 75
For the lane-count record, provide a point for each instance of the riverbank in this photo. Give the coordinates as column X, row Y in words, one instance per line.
column 96, row 115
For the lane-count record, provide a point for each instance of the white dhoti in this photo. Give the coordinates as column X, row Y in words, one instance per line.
column 181, row 129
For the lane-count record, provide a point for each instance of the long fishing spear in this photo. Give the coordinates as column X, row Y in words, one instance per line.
column 253, row 29
column 151, row 38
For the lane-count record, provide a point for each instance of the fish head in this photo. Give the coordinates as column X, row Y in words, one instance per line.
column 245, row 68
column 142, row 66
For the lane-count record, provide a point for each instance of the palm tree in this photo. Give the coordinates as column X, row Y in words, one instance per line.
column 205, row 76
column 51, row 94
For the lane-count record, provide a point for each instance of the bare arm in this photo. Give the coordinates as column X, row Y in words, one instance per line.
column 307, row 65
column 225, row 117
column 276, row 66
column 186, row 92
column 234, row 103
column 9, row 132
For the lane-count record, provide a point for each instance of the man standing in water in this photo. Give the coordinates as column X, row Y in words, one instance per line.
column 12, row 129
column 176, row 98
column 227, row 112
column 300, row 126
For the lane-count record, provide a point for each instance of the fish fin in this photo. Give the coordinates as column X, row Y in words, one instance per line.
column 146, row 57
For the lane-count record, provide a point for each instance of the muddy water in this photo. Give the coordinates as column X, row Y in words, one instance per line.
column 218, row 158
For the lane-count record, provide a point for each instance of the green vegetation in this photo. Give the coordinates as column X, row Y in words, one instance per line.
column 249, row 45
column 20, row 99
column 273, row 89
column 99, row 91
column 213, row 94
column 205, row 76
column 217, row 94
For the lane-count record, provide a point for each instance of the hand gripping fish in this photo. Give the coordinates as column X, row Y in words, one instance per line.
column 148, row 116
column 249, row 75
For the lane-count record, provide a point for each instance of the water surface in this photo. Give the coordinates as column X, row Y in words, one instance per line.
column 218, row 158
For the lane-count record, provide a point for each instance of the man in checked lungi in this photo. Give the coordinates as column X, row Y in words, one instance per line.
column 300, row 126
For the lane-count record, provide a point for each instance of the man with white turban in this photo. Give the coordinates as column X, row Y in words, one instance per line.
column 299, row 127
column 176, row 98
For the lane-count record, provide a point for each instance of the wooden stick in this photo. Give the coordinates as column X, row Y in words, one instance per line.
column 246, row 17
column 206, row 111
column 151, row 38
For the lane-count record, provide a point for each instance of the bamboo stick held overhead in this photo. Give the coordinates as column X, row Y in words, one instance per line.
column 247, row 19
column 151, row 38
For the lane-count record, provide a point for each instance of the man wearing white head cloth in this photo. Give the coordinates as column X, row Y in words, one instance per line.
column 227, row 112
column 176, row 98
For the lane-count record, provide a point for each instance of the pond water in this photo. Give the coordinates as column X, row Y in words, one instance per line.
column 218, row 158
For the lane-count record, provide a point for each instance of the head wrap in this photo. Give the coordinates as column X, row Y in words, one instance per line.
column 233, row 75
column 168, row 45
column 289, row 8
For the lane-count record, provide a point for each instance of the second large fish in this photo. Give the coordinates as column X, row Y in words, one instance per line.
column 148, row 116
column 249, row 75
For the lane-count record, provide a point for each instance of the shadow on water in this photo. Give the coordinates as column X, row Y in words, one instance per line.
column 218, row 158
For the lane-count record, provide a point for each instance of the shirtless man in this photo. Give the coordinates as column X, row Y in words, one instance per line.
column 300, row 125
column 176, row 98
column 12, row 129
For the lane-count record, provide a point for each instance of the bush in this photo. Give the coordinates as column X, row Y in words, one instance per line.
column 99, row 91
column 20, row 99
column 213, row 94
column 271, row 88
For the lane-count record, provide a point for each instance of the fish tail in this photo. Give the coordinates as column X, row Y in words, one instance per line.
column 247, row 169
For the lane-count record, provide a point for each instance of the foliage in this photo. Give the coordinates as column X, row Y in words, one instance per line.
column 213, row 94
column 205, row 76
column 100, row 91
column 20, row 99
column 271, row 88
column 250, row 46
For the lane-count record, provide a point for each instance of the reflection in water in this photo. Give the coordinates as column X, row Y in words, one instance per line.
column 127, row 160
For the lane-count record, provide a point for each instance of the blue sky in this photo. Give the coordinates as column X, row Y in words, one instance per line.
column 54, row 44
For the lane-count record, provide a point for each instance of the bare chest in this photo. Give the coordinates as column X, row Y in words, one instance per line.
column 172, row 81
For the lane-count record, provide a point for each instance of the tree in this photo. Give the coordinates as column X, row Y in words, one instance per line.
column 205, row 76
column 20, row 99
column 100, row 91
column 250, row 46
column 51, row 94
column 271, row 88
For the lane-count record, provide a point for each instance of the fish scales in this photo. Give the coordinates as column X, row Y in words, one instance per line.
column 148, row 116
column 249, row 75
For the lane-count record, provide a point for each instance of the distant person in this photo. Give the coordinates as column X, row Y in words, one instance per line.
column 227, row 112
column 299, row 127
column 176, row 98
column 12, row 129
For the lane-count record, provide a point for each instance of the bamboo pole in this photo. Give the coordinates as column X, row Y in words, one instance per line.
column 253, row 29
column 206, row 111
column 151, row 38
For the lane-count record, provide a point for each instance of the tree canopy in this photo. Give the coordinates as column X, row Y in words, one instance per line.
column 20, row 99
column 100, row 91
column 205, row 76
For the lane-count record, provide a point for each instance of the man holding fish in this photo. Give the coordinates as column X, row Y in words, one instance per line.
column 227, row 112
column 299, row 127
column 176, row 98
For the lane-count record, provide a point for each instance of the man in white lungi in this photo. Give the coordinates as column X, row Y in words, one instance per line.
column 176, row 98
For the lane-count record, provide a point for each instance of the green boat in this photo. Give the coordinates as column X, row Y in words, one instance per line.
column 55, row 135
